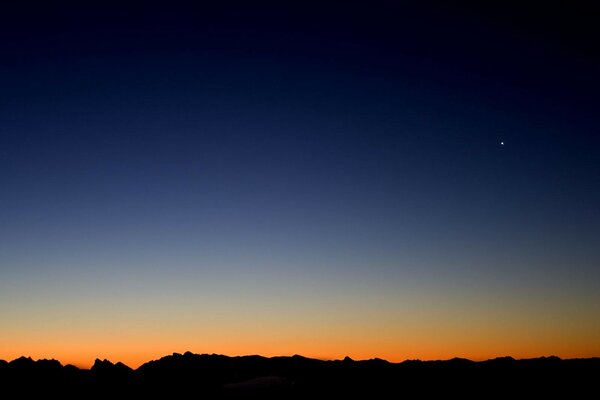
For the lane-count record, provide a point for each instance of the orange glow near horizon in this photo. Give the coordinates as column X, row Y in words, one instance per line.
column 272, row 320
column 134, row 351
column 86, row 360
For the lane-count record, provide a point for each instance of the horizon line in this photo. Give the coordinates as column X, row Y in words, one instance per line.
column 345, row 359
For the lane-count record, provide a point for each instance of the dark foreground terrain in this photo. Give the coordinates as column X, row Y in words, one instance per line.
column 210, row 376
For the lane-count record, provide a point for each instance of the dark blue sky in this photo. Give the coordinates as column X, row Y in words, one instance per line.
column 341, row 146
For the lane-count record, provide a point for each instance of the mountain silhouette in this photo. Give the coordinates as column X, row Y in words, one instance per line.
column 222, row 376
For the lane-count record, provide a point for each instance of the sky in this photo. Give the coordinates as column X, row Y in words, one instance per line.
column 351, row 179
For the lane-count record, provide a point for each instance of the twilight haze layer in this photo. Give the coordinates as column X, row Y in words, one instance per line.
column 418, row 181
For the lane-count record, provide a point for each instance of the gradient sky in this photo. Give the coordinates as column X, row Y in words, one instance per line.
column 326, row 181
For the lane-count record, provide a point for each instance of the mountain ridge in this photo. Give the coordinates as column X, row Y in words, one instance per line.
column 100, row 364
column 216, row 375
column 103, row 363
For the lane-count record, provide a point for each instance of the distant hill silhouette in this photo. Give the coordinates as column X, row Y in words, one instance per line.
column 221, row 376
